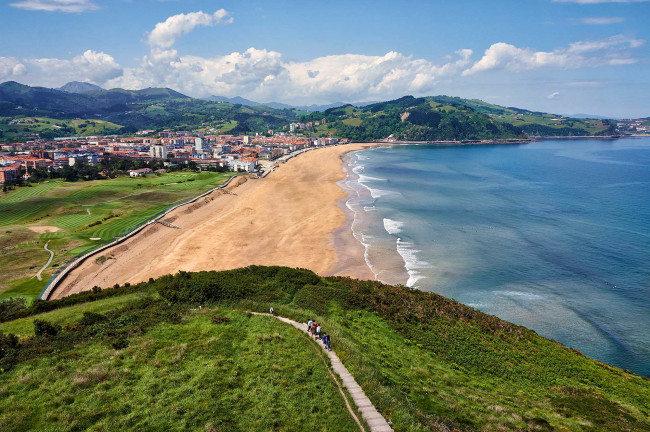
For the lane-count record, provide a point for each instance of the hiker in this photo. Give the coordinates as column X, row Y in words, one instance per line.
column 309, row 324
column 318, row 330
column 271, row 310
column 326, row 341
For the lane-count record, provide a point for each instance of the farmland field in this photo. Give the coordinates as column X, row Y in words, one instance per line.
column 73, row 217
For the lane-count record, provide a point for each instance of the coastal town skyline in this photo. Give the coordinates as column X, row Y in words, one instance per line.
column 566, row 57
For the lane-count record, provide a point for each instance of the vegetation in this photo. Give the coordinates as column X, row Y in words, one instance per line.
column 443, row 118
column 426, row 362
column 55, row 113
column 59, row 113
column 79, row 215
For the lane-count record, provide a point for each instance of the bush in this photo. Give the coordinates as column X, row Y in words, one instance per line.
column 220, row 319
column 120, row 343
column 90, row 318
column 12, row 305
column 45, row 328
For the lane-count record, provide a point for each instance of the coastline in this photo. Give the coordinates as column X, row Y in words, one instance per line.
column 289, row 218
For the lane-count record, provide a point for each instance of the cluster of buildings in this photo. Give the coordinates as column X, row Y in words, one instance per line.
column 640, row 126
column 294, row 127
column 235, row 153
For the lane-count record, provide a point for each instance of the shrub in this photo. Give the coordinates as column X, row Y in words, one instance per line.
column 45, row 328
column 90, row 318
column 220, row 319
column 12, row 305
column 120, row 343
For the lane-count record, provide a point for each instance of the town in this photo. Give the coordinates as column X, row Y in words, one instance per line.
column 175, row 149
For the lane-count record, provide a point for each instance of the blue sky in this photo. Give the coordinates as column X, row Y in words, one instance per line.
column 568, row 57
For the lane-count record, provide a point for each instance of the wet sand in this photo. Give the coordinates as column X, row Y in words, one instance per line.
column 289, row 219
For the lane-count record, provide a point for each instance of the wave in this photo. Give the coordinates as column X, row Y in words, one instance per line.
column 412, row 263
column 393, row 227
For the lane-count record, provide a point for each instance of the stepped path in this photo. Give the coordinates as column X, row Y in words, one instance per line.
column 375, row 421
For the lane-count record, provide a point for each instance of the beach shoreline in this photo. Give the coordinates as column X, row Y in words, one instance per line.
column 291, row 218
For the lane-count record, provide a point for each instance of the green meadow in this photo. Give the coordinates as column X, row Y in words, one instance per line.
column 146, row 357
column 75, row 213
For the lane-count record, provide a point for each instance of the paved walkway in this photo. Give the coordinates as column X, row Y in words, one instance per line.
column 38, row 275
column 368, row 411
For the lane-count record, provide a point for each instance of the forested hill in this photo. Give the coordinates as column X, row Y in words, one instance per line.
column 47, row 112
column 449, row 118
column 38, row 112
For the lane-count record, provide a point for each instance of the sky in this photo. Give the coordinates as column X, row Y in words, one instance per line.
column 559, row 56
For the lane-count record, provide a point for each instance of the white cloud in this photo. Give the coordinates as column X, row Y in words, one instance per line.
column 605, row 52
column 602, row 20
column 56, row 5
column 11, row 68
column 553, row 95
column 166, row 33
column 93, row 66
column 266, row 76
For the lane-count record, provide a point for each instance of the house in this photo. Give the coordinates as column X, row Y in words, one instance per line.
column 140, row 172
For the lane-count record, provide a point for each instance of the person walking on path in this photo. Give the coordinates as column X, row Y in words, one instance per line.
column 326, row 341
column 271, row 310
column 318, row 330
column 309, row 325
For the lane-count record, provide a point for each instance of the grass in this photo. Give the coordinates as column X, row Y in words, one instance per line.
column 251, row 373
column 426, row 362
column 76, row 127
column 24, row 327
column 102, row 209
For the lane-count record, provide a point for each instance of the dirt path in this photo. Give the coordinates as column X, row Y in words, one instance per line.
column 375, row 421
column 38, row 275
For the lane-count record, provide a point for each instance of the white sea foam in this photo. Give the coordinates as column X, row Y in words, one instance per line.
column 371, row 208
column 393, row 227
column 412, row 263
column 519, row 295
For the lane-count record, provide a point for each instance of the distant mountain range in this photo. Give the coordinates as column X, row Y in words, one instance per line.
column 80, row 87
column 279, row 105
column 408, row 118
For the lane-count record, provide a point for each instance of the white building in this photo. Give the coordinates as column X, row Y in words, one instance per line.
column 247, row 139
column 158, row 151
column 242, row 165
column 199, row 145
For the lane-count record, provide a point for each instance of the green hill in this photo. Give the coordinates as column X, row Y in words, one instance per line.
column 156, row 361
column 444, row 118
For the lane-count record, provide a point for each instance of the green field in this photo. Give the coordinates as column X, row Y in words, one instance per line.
column 101, row 209
column 426, row 362
column 190, row 376
column 50, row 127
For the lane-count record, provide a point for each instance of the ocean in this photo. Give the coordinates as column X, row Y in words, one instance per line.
column 552, row 235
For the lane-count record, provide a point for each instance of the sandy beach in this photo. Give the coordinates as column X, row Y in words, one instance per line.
column 289, row 218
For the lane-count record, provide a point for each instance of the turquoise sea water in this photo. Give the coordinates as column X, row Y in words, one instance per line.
column 552, row 235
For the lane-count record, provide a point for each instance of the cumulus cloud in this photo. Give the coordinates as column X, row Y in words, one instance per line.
column 605, row 52
column 266, row 75
column 11, row 68
column 56, row 5
column 93, row 66
column 553, row 95
column 166, row 33
column 602, row 20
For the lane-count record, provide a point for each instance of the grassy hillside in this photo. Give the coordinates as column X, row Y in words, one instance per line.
column 448, row 118
column 152, row 108
column 78, row 212
column 20, row 129
column 426, row 362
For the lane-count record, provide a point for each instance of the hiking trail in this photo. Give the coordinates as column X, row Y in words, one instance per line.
column 373, row 418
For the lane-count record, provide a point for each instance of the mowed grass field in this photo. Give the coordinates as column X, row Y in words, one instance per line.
column 75, row 213
column 252, row 373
